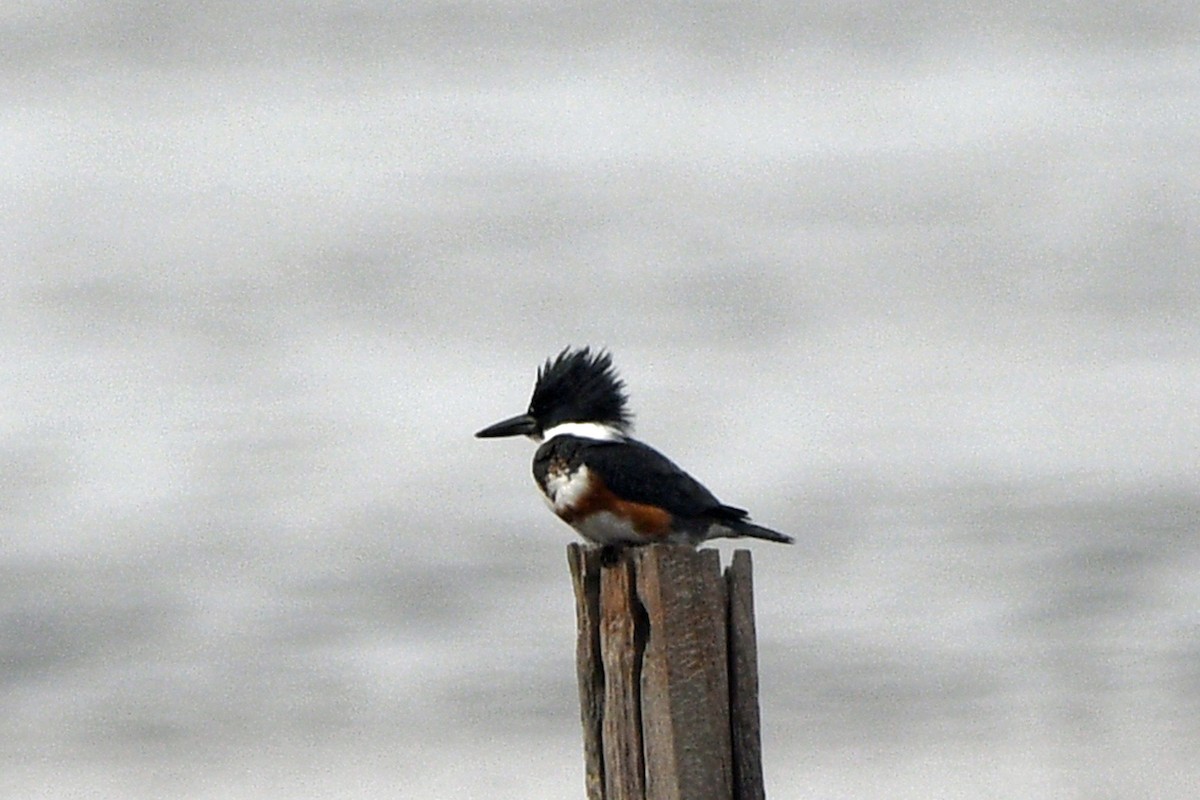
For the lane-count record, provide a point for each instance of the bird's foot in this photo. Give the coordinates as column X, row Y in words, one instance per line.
column 610, row 554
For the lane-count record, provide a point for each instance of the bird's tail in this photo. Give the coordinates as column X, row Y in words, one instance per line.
column 736, row 522
column 752, row 531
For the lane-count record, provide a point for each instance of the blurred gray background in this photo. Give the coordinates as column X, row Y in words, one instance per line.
column 917, row 283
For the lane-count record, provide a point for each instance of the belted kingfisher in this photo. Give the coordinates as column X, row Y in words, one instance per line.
column 611, row 488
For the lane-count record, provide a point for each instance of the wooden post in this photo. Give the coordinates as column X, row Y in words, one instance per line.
column 668, row 674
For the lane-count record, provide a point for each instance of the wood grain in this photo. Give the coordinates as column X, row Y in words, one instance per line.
column 743, row 680
column 584, row 563
column 685, row 688
column 621, row 651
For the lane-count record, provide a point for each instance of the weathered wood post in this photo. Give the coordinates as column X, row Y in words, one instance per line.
column 668, row 674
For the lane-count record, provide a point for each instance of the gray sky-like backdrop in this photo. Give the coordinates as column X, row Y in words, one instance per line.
column 917, row 283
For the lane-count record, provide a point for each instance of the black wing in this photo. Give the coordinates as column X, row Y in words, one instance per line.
column 637, row 472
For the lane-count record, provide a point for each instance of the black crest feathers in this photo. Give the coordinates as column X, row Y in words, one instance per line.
column 580, row 386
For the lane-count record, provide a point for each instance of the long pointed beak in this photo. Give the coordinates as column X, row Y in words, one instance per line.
column 522, row 425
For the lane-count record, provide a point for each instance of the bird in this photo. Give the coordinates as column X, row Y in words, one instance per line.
column 614, row 490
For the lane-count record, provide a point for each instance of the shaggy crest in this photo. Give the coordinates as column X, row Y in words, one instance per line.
column 580, row 386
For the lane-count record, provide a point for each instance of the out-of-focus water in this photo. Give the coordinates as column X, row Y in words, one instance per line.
column 918, row 286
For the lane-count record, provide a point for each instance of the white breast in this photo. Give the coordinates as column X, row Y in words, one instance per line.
column 563, row 490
